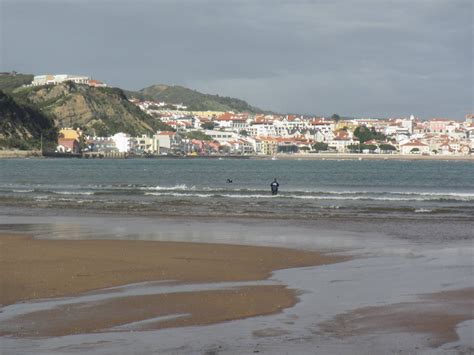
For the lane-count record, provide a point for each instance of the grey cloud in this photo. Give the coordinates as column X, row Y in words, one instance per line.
column 366, row 57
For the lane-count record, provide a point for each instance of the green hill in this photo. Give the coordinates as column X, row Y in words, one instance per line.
column 22, row 126
column 194, row 100
column 10, row 81
column 99, row 111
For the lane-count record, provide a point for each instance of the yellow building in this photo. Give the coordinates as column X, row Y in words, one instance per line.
column 207, row 114
column 70, row 133
column 269, row 146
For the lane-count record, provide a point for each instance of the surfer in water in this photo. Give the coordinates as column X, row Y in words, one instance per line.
column 229, row 181
column 274, row 186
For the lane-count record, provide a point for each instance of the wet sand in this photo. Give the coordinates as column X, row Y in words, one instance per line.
column 35, row 269
column 358, row 306
column 139, row 313
column 436, row 315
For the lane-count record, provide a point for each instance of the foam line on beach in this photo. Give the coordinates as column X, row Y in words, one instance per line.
column 136, row 289
column 140, row 324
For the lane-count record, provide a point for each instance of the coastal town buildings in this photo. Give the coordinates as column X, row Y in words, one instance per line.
column 102, row 145
column 271, row 134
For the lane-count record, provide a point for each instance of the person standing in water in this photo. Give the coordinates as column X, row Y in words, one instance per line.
column 274, row 186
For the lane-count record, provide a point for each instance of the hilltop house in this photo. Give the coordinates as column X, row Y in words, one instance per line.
column 53, row 79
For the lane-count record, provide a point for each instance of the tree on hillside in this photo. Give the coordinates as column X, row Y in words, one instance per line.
column 363, row 134
column 354, row 148
column 370, row 147
column 377, row 135
column 198, row 135
column 387, row 147
column 244, row 133
column 320, row 146
column 358, row 148
column 336, row 117
column 208, row 125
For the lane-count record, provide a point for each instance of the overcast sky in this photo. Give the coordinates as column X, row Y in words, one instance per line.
column 365, row 58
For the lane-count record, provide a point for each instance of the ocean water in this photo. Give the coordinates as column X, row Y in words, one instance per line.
column 408, row 224
column 198, row 187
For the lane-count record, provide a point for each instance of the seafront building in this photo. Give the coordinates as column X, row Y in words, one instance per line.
column 146, row 144
column 69, row 141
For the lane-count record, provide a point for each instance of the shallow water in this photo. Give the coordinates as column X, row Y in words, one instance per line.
column 185, row 187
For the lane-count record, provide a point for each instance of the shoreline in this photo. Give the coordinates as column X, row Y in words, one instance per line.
column 20, row 154
column 37, row 269
column 298, row 156
column 357, row 156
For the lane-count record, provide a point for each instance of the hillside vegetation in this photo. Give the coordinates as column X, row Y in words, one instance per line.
column 21, row 126
column 10, row 81
column 27, row 113
column 99, row 111
column 194, row 100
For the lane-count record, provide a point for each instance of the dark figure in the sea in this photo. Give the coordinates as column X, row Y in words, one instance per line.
column 229, row 181
column 274, row 186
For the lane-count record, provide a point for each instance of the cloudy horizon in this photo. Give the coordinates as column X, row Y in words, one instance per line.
column 377, row 59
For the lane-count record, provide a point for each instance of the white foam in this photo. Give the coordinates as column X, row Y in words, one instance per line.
column 73, row 192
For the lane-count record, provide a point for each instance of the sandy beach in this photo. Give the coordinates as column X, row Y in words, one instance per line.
column 436, row 314
column 135, row 290
column 35, row 269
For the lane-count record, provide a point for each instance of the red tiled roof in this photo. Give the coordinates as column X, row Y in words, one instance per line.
column 414, row 144
column 167, row 133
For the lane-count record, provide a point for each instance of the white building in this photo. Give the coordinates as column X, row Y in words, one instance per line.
column 50, row 79
column 221, row 136
column 261, row 130
column 414, row 147
column 408, row 124
column 169, row 142
column 122, row 142
column 145, row 144
column 340, row 144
